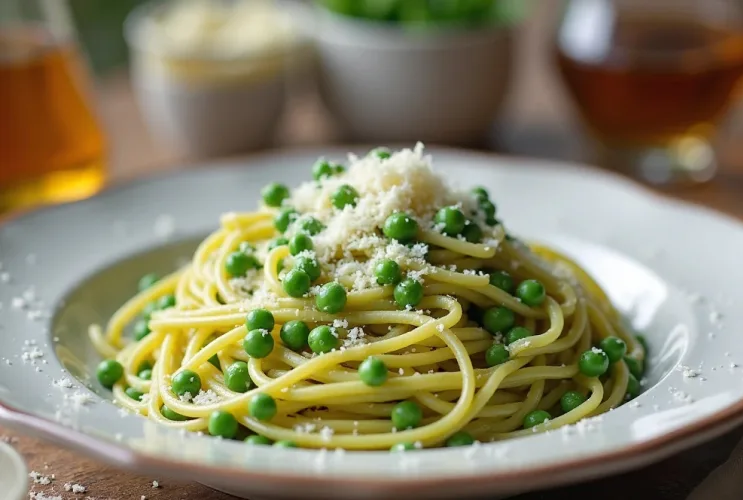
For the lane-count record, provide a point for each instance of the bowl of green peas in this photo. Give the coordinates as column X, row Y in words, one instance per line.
column 408, row 70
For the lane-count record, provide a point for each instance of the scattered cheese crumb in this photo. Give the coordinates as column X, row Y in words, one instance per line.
column 688, row 372
column 326, row 433
column 33, row 495
column 64, row 383
column 155, row 484
column 39, row 478
column 75, row 488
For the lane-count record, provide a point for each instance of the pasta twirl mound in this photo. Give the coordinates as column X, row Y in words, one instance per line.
column 372, row 308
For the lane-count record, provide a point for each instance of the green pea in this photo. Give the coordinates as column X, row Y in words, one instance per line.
column 635, row 366
column 278, row 242
column 322, row 340
column 531, row 293
column 147, row 281
column 451, row 220
column 338, row 168
column 262, row 407
column 633, row 388
column 237, row 377
column 285, row 444
column 171, row 415
column 144, row 365
column 488, row 209
column 274, row 194
column 480, row 193
column 223, row 424
column 535, row 417
column 400, row 226
column 402, row 447
column 296, row 283
column 322, row 169
column 141, row 330
column 145, row 374
column 299, row 243
column 109, row 372
column 571, row 400
column 614, row 347
column 593, row 363
column 294, row 334
column 498, row 319
column 406, row 415
column 387, row 272
column 134, row 393
column 308, row 265
column 284, row 218
column 472, row 232
column 373, row 372
column 166, row 302
column 517, row 333
column 460, row 438
column 260, row 319
column 408, row 293
column 186, row 381
column 237, row 264
column 502, row 280
column 381, row 152
column 258, row 343
column 258, row 440
column 343, row 196
column 310, row 225
column 331, row 298
column 496, row 354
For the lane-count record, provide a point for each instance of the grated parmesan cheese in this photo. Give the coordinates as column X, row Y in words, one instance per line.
column 204, row 398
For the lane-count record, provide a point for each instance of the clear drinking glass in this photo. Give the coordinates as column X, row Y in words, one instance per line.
column 51, row 145
column 652, row 79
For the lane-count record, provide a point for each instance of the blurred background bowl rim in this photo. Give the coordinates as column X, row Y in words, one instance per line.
column 136, row 19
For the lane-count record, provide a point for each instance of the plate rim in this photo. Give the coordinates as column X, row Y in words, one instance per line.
column 606, row 463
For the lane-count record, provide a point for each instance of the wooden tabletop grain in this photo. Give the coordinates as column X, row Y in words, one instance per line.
column 537, row 121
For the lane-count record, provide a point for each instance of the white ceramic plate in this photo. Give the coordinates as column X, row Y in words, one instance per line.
column 13, row 475
column 671, row 268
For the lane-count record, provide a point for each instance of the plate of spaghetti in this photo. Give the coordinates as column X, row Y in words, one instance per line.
column 400, row 321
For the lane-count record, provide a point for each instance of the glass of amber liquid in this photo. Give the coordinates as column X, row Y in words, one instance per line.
column 652, row 79
column 51, row 145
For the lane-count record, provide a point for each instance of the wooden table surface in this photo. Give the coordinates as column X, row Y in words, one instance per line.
column 540, row 123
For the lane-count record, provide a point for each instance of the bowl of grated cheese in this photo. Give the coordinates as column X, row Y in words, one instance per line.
column 211, row 78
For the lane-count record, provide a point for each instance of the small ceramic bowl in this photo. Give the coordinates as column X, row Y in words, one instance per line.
column 210, row 104
column 13, row 474
column 384, row 83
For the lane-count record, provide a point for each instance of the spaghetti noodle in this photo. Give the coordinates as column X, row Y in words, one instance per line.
column 372, row 308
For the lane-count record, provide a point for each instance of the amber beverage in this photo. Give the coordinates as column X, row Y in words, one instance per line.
column 652, row 88
column 51, row 146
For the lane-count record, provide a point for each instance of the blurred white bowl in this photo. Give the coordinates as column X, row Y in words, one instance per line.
column 211, row 104
column 13, row 474
column 384, row 83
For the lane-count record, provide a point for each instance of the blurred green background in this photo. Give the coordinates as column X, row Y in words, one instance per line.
column 100, row 27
